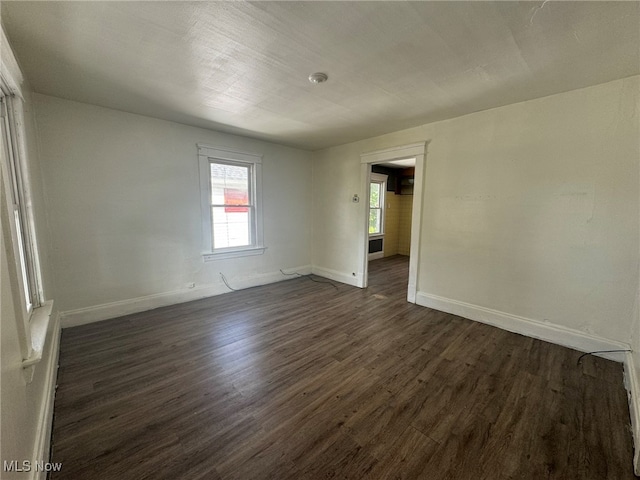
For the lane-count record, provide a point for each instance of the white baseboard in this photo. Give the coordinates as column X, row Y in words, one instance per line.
column 633, row 393
column 355, row 281
column 96, row 313
column 42, row 442
column 546, row 331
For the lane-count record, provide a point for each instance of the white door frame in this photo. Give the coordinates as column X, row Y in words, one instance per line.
column 413, row 150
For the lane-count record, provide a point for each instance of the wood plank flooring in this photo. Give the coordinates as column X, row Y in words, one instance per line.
column 304, row 380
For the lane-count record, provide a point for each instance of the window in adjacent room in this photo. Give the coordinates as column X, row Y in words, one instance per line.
column 232, row 218
column 376, row 203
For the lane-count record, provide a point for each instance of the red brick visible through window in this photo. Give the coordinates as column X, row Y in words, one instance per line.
column 234, row 196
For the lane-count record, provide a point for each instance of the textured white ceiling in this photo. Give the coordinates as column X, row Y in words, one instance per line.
column 243, row 67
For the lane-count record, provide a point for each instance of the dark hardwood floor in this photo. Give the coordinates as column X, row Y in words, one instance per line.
column 304, row 380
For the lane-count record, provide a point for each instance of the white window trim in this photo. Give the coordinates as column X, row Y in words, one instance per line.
column 206, row 154
column 18, row 181
column 382, row 180
column 33, row 316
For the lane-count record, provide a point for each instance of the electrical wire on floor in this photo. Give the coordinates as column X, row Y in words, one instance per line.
column 599, row 351
column 298, row 275
column 224, row 279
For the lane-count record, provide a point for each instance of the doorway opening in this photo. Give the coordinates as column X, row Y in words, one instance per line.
column 392, row 180
column 390, row 206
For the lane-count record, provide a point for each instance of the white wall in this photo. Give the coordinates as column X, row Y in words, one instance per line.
column 530, row 209
column 123, row 200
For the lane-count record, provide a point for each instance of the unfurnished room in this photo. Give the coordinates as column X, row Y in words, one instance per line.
column 311, row 240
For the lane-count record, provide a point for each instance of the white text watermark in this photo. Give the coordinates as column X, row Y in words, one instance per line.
column 29, row 466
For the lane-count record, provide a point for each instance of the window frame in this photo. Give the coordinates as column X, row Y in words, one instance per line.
column 33, row 314
column 208, row 155
column 381, row 180
column 19, row 200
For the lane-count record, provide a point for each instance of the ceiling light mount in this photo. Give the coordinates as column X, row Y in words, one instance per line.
column 318, row 77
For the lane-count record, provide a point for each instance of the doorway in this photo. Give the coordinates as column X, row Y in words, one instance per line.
column 396, row 158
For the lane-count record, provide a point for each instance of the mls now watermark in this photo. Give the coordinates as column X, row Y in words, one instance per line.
column 29, row 466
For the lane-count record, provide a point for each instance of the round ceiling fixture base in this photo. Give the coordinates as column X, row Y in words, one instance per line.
column 318, row 77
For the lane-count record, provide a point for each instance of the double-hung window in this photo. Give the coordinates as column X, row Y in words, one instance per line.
column 18, row 199
column 377, row 189
column 17, row 226
column 230, row 184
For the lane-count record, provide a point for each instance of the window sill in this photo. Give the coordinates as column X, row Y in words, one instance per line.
column 235, row 253
column 39, row 325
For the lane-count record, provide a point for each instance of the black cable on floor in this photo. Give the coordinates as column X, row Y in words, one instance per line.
column 310, row 278
column 227, row 283
column 599, row 351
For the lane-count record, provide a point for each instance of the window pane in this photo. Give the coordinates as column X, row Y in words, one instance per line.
column 232, row 211
column 374, row 198
column 10, row 127
column 229, row 184
column 374, row 220
column 23, row 258
column 231, row 226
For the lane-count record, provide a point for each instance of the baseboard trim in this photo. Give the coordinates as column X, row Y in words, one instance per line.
column 355, row 281
column 97, row 313
column 546, row 331
column 633, row 394
column 42, row 444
